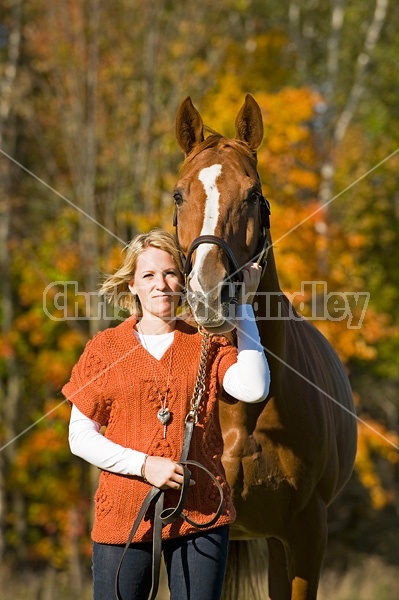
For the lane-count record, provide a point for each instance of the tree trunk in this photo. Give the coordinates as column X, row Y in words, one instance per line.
column 11, row 384
column 338, row 115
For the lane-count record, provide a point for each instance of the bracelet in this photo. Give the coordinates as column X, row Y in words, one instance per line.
column 142, row 472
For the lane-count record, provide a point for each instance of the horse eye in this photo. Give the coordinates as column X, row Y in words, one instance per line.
column 253, row 197
column 178, row 198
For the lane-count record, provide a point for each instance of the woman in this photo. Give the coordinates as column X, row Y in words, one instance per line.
column 137, row 380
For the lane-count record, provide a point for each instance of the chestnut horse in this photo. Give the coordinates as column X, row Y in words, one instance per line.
column 286, row 458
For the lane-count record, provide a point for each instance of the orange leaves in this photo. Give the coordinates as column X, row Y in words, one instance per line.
column 304, row 179
column 67, row 261
column 48, row 347
column 45, row 474
column 31, row 324
column 287, row 158
column 42, row 447
column 375, row 445
column 71, row 340
column 52, row 367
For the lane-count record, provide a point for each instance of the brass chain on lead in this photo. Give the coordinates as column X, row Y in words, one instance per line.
column 199, row 387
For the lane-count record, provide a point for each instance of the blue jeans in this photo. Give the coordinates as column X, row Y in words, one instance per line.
column 195, row 565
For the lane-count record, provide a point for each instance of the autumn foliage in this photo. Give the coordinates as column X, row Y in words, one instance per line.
column 93, row 106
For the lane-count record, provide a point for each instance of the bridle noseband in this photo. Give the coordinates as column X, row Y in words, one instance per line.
column 235, row 276
column 236, row 273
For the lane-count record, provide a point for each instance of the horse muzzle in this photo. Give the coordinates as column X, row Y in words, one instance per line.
column 211, row 312
column 213, row 305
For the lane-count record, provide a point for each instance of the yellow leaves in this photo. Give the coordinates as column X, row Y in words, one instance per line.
column 30, row 322
column 285, row 113
column 287, row 158
column 147, row 221
column 52, row 367
column 6, row 347
column 220, row 110
column 44, row 473
column 113, row 259
column 356, row 240
column 375, row 443
column 71, row 340
column 374, row 437
column 67, row 261
column 304, row 179
column 348, row 343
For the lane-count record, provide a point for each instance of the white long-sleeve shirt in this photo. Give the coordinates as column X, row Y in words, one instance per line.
column 247, row 380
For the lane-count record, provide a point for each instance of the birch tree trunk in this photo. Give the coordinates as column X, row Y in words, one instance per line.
column 337, row 114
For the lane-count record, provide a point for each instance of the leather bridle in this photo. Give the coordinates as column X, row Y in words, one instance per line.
column 235, row 274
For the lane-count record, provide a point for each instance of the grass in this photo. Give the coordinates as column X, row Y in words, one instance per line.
column 369, row 578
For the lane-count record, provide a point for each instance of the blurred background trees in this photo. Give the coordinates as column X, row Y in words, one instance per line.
column 88, row 95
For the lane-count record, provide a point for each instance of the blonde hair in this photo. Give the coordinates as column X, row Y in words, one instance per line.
column 115, row 288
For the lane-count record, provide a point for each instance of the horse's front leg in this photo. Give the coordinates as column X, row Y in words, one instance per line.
column 306, row 548
column 234, row 425
column 238, row 421
column 279, row 581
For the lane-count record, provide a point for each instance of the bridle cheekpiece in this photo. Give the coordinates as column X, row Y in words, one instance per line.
column 235, row 276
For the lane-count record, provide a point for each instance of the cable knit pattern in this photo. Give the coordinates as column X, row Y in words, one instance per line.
column 113, row 384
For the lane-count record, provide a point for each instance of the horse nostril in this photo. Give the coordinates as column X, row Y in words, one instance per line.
column 228, row 292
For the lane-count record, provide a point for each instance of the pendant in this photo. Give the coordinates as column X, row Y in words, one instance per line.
column 163, row 415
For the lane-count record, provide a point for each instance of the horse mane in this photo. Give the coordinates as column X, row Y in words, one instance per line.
column 218, row 141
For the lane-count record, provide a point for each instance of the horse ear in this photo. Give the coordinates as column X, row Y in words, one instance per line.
column 189, row 126
column 249, row 123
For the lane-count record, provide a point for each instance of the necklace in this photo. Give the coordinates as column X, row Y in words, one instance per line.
column 163, row 414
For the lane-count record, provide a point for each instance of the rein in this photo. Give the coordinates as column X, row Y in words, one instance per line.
column 169, row 515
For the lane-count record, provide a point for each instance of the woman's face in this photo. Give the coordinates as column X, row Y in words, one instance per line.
column 158, row 284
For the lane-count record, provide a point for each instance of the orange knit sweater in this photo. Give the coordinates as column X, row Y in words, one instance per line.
column 113, row 383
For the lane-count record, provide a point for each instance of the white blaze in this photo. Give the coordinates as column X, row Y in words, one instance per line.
column 208, row 178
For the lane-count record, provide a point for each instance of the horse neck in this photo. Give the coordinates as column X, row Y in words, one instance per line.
column 269, row 282
column 270, row 304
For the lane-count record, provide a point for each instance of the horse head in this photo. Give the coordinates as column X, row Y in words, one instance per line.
column 221, row 216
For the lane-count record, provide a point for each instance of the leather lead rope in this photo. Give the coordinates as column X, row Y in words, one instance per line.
column 169, row 515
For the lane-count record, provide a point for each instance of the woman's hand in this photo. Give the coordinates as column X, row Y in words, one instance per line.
column 164, row 473
column 252, row 272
